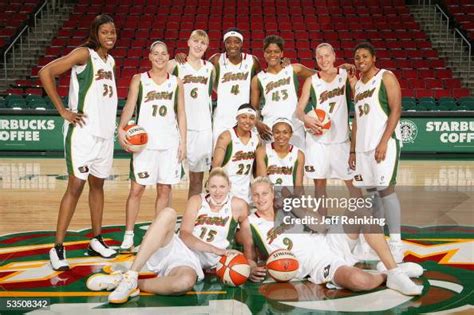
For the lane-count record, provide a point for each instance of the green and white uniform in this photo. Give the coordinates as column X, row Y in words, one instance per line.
column 238, row 163
column 215, row 228
column 327, row 155
column 281, row 171
column 372, row 111
column 92, row 92
column 280, row 95
column 233, row 90
column 198, row 105
column 156, row 112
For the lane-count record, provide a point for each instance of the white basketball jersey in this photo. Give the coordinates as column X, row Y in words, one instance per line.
column 281, row 171
column 197, row 94
column 332, row 97
column 92, row 91
column 233, row 89
column 215, row 228
column 238, row 163
column 372, row 111
column 270, row 238
column 280, row 96
column 156, row 108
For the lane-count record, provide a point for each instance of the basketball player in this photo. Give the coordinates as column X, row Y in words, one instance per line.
column 322, row 256
column 376, row 138
column 281, row 161
column 277, row 86
column 235, row 151
column 235, row 70
column 327, row 154
column 198, row 76
column 89, row 124
column 158, row 99
column 206, row 232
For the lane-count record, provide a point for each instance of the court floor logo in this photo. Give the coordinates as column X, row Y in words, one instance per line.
column 409, row 130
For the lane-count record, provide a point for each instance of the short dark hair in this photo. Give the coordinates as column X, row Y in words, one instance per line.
column 246, row 105
column 365, row 45
column 92, row 41
column 273, row 39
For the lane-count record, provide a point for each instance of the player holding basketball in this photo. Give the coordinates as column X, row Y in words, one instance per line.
column 159, row 102
column 277, row 86
column 235, row 71
column 89, row 123
column 235, row 151
column 323, row 258
column 327, row 154
column 198, row 76
column 281, row 161
column 208, row 226
column 376, row 138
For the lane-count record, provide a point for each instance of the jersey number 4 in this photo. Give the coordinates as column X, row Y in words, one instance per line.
column 235, row 89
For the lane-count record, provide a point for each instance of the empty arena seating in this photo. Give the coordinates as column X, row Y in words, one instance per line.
column 401, row 45
column 13, row 15
column 463, row 12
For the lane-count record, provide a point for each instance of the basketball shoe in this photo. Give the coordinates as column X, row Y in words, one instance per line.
column 128, row 287
column 397, row 280
column 127, row 244
column 57, row 258
column 102, row 281
column 412, row 270
column 97, row 247
column 397, row 249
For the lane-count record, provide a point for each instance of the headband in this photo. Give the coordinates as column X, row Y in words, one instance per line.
column 235, row 34
column 246, row 110
column 283, row 120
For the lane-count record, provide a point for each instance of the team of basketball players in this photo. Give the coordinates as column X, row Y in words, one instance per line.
column 258, row 118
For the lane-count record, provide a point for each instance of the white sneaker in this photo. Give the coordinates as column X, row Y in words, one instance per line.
column 102, row 281
column 97, row 247
column 57, row 258
column 399, row 281
column 127, row 288
column 412, row 270
column 127, row 244
column 397, row 249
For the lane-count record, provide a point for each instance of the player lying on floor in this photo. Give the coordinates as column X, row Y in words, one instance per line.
column 209, row 222
column 323, row 257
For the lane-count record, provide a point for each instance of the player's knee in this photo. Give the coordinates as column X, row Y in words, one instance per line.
column 183, row 284
column 168, row 214
column 137, row 191
column 361, row 281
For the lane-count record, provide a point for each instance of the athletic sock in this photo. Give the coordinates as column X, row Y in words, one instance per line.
column 393, row 215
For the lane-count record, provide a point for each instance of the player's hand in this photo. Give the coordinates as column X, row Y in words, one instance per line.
column 380, row 151
column 285, row 62
column 264, row 131
column 350, row 68
column 258, row 274
column 229, row 252
column 123, row 139
column 181, row 151
column 313, row 124
column 180, row 58
column 74, row 118
column 352, row 161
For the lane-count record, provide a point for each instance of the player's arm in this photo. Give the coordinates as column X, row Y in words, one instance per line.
column 310, row 122
column 260, row 160
column 214, row 60
column 55, row 68
column 256, row 68
column 352, row 152
column 299, row 170
column 220, row 149
column 181, row 121
column 255, row 95
column 302, row 71
column 171, row 66
column 128, row 110
column 241, row 212
column 394, row 96
column 180, row 58
column 187, row 226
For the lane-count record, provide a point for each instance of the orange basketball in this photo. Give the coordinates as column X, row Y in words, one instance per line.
column 233, row 270
column 282, row 265
column 136, row 136
column 323, row 117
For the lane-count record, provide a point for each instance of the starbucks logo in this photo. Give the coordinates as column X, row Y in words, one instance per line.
column 409, row 131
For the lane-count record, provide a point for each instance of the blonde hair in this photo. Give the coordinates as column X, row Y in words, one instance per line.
column 156, row 43
column 199, row 34
column 218, row 171
column 322, row 45
column 262, row 180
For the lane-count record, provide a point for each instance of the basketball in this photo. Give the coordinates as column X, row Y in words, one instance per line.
column 282, row 265
column 136, row 136
column 323, row 117
column 233, row 270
